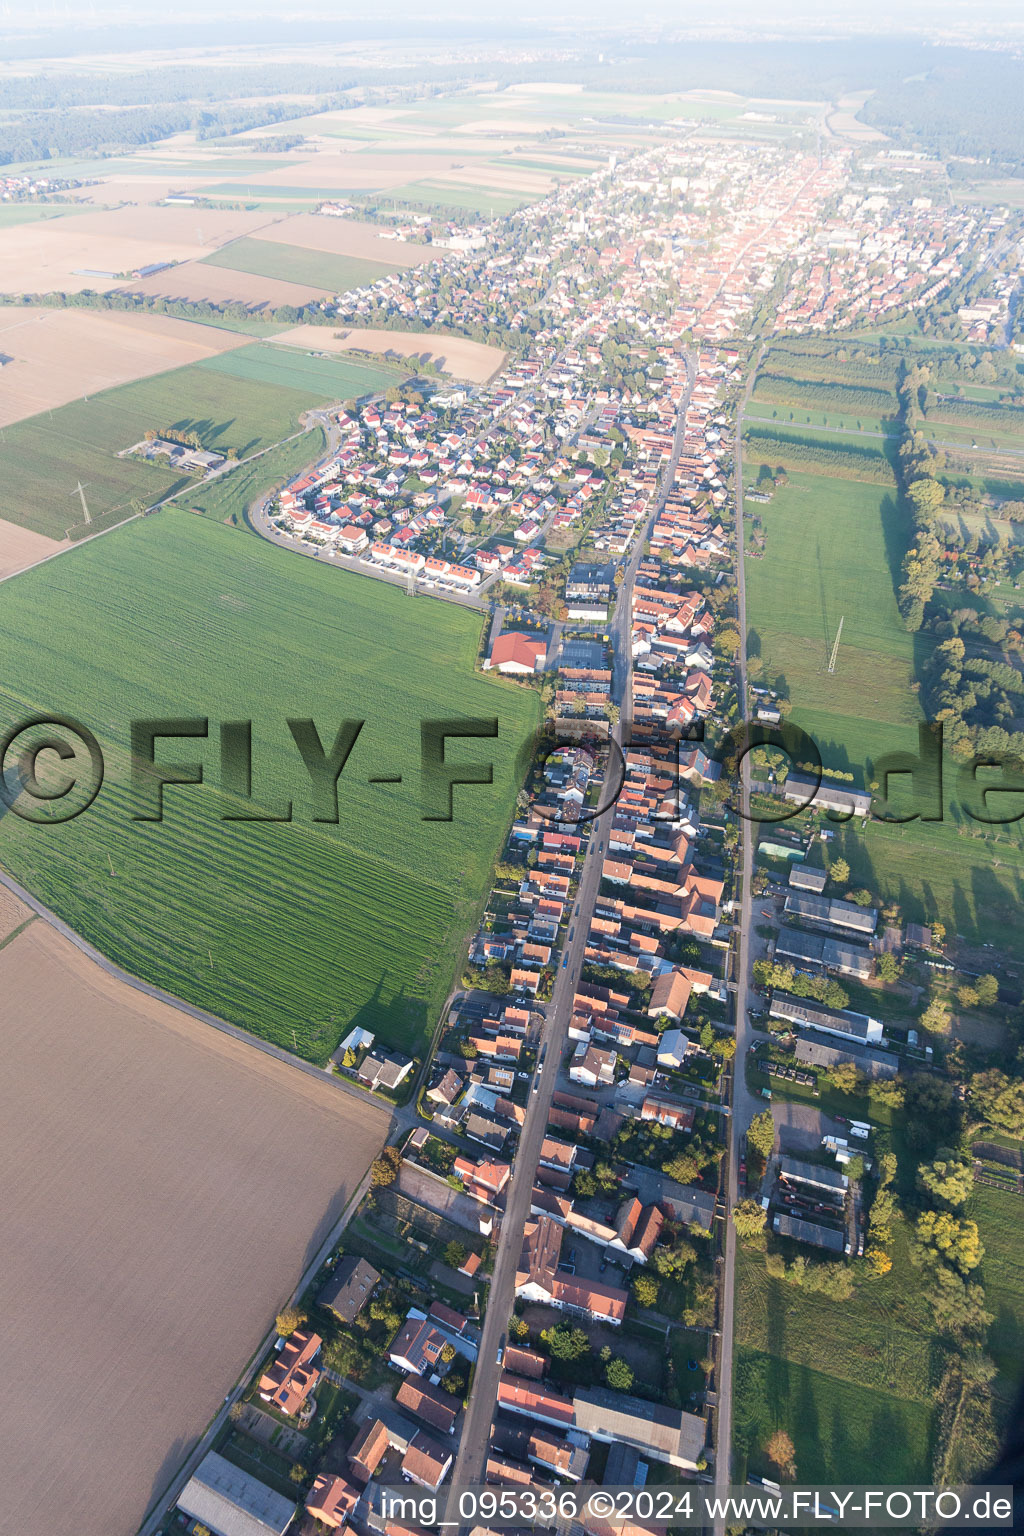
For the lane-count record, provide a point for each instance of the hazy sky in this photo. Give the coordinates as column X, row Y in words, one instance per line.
column 580, row 19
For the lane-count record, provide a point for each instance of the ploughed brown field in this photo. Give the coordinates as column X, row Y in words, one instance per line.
column 21, row 547
column 164, row 1187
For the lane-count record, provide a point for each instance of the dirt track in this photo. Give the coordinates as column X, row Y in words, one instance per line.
column 165, row 1186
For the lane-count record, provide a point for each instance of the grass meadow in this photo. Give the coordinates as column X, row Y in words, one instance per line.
column 294, row 930
column 833, row 551
column 1000, row 1217
column 295, row 264
column 849, row 1381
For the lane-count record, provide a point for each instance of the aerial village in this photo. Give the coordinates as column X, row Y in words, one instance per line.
column 582, row 500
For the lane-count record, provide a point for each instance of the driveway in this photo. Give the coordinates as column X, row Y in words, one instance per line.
column 800, row 1127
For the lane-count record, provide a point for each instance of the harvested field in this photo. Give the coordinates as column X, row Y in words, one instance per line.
column 463, row 359
column 20, row 547
column 357, row 169
column 200, row 229
column 67, row 253
column 345, row 237
column 149, row 1188
column 63, row 354
column 12, row 913
column 507, row 179
column 201, row 280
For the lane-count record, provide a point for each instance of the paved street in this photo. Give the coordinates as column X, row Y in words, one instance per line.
column 472, row 1458
column 744, row 1104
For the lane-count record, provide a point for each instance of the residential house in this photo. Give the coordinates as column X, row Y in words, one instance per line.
column 427, row 1461
column 538, row 1278
column 593, row 1067
column 667, row 1112
column 435, row 1407
column 291, row 1377
column 331, row 1500
column 417, row 1346
column 379, row 1070
column 349, row 1288
column 534, row 1402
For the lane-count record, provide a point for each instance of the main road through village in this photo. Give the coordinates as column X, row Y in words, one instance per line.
column 476, row 1429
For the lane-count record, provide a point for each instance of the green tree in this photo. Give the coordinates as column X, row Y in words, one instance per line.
column 565, row 1343
column 839, row 871
column 948, row 1179
column 987, row 988
column 671, row 1261
column 298, row 1473
column 288, row 1320
column 454, row 1254
column 645, row 1291
column 887, row 967
column 761, row 1133
column 942, row 1235
column 684, row 1168
column 384, row 1169
column 936, row 1017
column 999, row 1100
column 749, row 1218
column 618, row 1375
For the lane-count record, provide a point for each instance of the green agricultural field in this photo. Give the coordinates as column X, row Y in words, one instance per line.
column 294, row 930
column 31, row 213
column 850, row 1381
column 43, row 459
column 438, row 194
column 321, row 378
column 295, row 264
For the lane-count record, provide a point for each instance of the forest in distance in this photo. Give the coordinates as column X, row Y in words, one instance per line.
column 946, row 100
